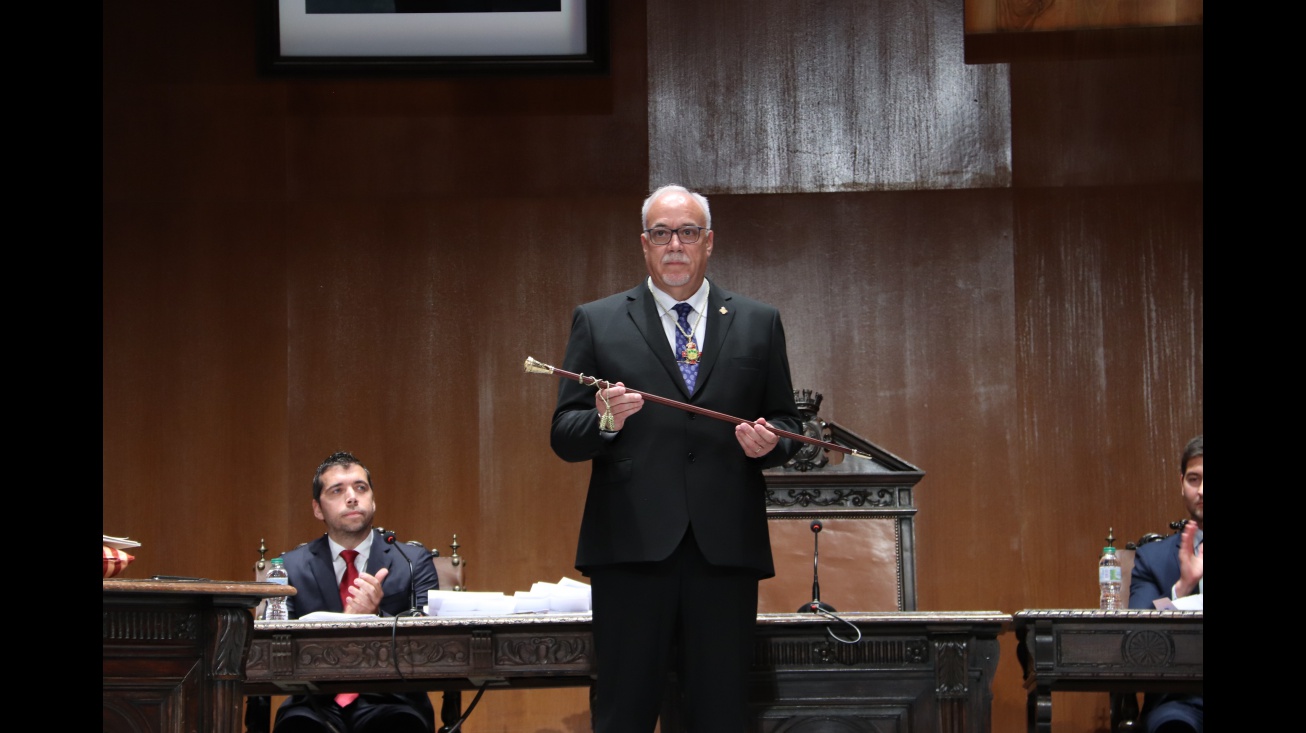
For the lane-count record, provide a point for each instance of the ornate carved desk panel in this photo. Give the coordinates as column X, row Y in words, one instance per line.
column 925, row 671
column 174, row 654
column 1110, row 651
column 919, row 672
column 420, row 653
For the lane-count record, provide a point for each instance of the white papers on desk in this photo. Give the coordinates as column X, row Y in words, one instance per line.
column 467, row 603
column 1186, row 603
column 120, row 543
column 528, row 602
column 567, row 596
column 336, row 616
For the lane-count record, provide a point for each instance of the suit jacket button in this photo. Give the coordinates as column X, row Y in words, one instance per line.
column 691, row 457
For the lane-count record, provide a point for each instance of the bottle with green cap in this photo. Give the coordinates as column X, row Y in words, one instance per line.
column 1109, row 575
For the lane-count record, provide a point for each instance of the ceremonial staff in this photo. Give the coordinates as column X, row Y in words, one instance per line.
column 535, row 367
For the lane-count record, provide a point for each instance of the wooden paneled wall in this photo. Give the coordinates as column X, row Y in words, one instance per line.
column 823, row 98
column 998, row 16
column 297, row 266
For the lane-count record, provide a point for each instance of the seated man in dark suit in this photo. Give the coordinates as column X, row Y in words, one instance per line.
column 375, row 580
column 1172, row 568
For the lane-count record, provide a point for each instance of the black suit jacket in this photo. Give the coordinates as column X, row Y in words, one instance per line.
column 669, row 469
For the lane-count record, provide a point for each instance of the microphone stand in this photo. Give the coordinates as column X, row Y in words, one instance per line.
column 816, row 604
column 412, row 580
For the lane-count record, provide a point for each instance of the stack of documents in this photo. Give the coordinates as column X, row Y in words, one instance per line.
column 120, row 543
column 335, row 616
column 467, row 603
column 566, row 596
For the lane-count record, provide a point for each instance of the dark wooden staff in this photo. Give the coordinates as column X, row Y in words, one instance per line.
column 536, row 367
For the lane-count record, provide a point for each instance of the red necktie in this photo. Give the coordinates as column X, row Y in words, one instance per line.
column 351, row 574
column 347, row 582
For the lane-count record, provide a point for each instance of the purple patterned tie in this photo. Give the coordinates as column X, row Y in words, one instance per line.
column 688, row 371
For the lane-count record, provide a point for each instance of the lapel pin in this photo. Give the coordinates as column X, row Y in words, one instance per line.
column 723, row 310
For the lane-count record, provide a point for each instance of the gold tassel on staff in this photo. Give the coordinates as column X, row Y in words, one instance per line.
column 535, row 367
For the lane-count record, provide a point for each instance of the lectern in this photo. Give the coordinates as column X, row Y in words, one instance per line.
column 867, row 539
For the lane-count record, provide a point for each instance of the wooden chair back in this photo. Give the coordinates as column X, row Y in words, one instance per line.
column 450, row 570
column 1126, row 557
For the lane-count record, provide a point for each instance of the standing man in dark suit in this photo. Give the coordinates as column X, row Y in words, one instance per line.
column 380, row 584
column 1172, row 568
column 674, row 536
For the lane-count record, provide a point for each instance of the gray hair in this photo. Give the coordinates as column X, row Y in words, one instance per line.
column 698, row 198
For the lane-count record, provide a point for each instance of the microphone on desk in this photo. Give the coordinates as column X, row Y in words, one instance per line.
column 412, row 579
column 815, row 604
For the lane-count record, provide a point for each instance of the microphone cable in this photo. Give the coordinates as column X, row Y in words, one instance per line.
column 835, row 617
column 457, row 726
column 391, row 539
column 816, row 606
column 394, row 648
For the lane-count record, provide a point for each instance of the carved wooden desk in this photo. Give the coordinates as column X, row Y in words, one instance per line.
column 910, row 671
column 1110, row 651
column 174, row 653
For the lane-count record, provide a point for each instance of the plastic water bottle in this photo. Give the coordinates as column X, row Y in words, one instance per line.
column 276, row 609
column 1109, row 577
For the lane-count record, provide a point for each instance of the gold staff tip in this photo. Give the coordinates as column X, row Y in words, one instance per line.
column 535, row 367
column 860, row 454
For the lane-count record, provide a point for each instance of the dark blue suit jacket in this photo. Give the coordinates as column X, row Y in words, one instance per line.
column 312, row 574
column 669, row 469
column 1156, row 570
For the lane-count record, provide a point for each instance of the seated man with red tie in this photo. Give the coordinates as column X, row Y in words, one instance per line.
column 352, row 569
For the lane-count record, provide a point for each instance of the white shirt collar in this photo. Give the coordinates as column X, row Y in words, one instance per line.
column 364, row 551
column 697, row 301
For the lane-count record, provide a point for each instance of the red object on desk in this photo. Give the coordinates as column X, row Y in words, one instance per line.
column 115, row 561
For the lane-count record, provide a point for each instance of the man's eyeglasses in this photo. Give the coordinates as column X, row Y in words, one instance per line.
column 662, row 236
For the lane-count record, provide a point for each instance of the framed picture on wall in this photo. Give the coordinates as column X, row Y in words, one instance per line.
column 437, row 37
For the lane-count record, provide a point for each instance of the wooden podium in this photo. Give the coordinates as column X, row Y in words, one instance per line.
column 867, row 542
column 174, row 653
